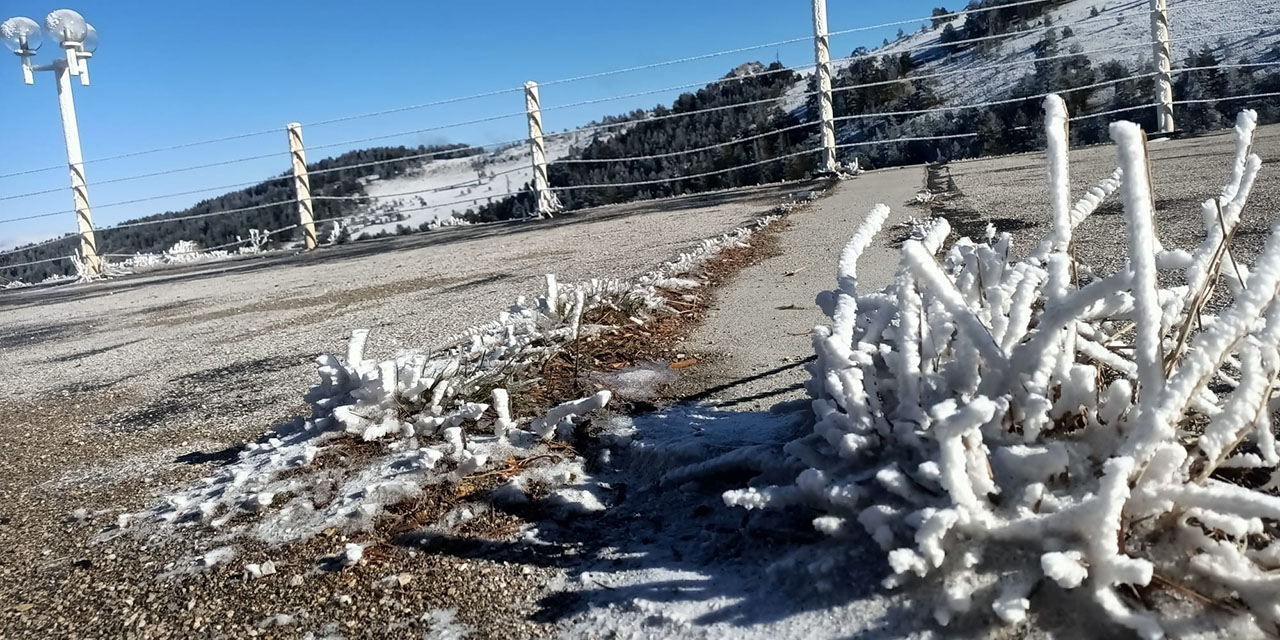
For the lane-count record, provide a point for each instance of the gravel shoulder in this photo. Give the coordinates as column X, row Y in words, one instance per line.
column 118, row 390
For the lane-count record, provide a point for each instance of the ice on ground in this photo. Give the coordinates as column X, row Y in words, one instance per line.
column 443, row 624
column 218, row 556
column 256, row 570
column 637, row 382
column 277, row 620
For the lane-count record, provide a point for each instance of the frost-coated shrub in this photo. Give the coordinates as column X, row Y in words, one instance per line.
column 182, row 252
column 994, row 423
column 414, row 408
column 411, row 421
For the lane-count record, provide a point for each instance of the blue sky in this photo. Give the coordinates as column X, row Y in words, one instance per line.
column 173, row 72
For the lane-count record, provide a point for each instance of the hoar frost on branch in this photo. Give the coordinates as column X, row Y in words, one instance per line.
column 434, row 417
column 993, row 423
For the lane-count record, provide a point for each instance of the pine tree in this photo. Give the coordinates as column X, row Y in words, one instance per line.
column 949, row 35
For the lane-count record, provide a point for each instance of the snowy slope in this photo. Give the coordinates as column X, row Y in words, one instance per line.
column 1116, row 33
column 441, row 189
column 1121, row 27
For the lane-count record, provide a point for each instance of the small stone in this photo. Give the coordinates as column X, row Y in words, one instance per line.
column 351, row 554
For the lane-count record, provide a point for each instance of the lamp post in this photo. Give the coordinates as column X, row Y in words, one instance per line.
column 78, row 40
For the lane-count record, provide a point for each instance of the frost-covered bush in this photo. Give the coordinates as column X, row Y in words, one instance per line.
column 994, row 423
column 424, row 418
column 82, row 274
column 256, row 242
column 182, row 252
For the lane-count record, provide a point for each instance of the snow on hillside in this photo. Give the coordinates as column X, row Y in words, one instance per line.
column 1121, row 27
column 1118, row 32
column 439, row 190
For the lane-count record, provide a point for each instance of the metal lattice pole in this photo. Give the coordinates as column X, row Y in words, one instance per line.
column 547, row 202
column 302, row 185
column 1163, row 61
column 75, row 163
column 822, row 60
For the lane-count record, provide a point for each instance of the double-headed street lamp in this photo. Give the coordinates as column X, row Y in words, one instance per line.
column 79, row 40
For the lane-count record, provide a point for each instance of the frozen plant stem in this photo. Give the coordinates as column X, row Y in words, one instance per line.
column 1136, row 191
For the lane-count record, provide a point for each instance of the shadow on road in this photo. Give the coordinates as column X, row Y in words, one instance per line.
column 674, row 554
column 713, row 392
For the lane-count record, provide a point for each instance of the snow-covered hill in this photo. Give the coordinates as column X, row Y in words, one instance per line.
column 441, row 189
column 1119, row 30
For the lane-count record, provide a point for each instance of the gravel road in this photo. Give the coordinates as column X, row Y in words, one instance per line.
column 1012, row 193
